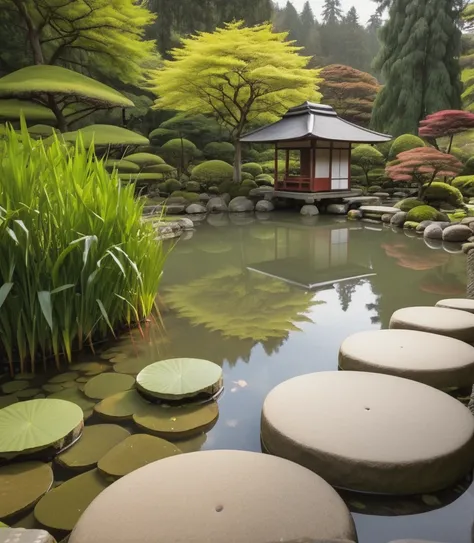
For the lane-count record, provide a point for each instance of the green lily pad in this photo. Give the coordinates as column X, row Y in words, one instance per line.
column 91, row 368
column 70, row 384
column 106, row 384
column 24, row 376
column 82, row 379
column 14, row 386
column 75, row 396
column 51, row 388
column 131, row 366
column 5, row 401
column 22, row 485
column 121, row 406
column 28, row 393
column 133, row 453
column 61, row 508
column 36, row 425
column 64, row 377
column 180, row 378
column 176, row 422
column 95, row 442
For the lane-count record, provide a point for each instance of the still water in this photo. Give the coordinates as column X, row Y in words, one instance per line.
column 273, row 298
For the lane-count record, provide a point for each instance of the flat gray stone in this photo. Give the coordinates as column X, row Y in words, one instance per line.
column 264, row 205
column 367, row 200
column 370, row 432
column 309, row 210
column 195, row 209
column 420, row 356
column 462, row 304
column 433, row 231
column 437, row 320
column 457, row 233
column 379, row 209
column 241, row 204
column 264, row 499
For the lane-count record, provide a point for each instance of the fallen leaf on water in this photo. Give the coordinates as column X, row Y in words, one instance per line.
column 235, row 389
column 241, row 383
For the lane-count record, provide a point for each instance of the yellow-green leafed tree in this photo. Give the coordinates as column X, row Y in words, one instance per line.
column 240, row 75
column 106, row 35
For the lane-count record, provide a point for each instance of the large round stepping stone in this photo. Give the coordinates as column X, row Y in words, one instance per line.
column 22, row 485
column 39, row 425
column 180, row 378
column 61, row 508
column 462, row 304
column 95, row 442
column 370, row 432
column 216, row 496
column 438, row 361
column 437, row 320
column 133, row 453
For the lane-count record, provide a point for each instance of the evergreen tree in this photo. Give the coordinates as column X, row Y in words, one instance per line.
column 373, row 26
column 419, row 60
column 310, row 35
column 289, row 21
column 332, row 12
column 354, row 39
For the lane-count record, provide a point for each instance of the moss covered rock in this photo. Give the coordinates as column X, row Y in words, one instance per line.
column 245, row 176
column 189, row 196
column 173, row 185
column 410, row 225
column 264, row 178
column 212, row 172
column 442, row 192
column 249, row 183
column 405, row 142
column 408, row 203
column 374, row 188
column 465, row 184
column 424, row 213
column 193, row 186
column 252, row 168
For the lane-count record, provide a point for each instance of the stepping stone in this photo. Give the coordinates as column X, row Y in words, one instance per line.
column 217, row 496
column 462, row 304
column 379, row 210
column 420, row 356
column 437, row 320
column 370, row 432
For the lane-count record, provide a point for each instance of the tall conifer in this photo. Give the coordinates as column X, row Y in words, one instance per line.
column 419, row 61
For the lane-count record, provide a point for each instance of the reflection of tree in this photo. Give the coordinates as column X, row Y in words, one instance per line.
column 241, row 304
column 345, row 290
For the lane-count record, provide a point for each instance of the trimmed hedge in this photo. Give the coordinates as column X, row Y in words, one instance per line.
column 252, row 168
column 172, row 185
column 212, row 172
column 220, row 150
column 122, row 166
column 246, row 175
column 145, row 159
column 442, row 192
column 465, row 184
column 405, row 142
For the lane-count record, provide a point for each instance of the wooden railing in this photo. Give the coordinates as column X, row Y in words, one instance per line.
column 297, row 184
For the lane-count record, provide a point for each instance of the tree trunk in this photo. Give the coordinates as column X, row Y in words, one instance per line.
column 61, row 120
column 237, row 161
column 33, row 35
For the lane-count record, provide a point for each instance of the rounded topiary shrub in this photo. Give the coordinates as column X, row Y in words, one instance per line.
column 408, row 204
column 374, row 188
column 212, row 172
column 162, row 187
column 249, row 183
column 405, row 142
column 220, row 150
column 246, row 175
column 190, row 196
column 442, row 192
column 145, row 159
column 465, row 184
column 423, row 213
column 469, row 167
column 252, row 168
column 173, row 185
column 164, row 169
column 268, row 154
column 193, row 186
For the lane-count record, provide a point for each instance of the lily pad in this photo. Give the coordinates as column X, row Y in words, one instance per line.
column 95, row 442
column 14, row 386
column 106, row 384
column 61, row 508
column 91, row 368
column 5, row 401
column 131, row 366
column 36, row 425
column 22, row 485
column 64, row 377
column 24, row 376
column 82, row 379
column 28, row 393
column 70, row 384
column 121, row 406
column 180, row 378
column 52, row 387
column 75, row 396
column 177, row 422
column 133, row 453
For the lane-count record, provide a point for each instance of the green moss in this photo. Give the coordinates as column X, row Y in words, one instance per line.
column 252, row 168
column 212, row 172
column 442, row 192
column 410, row 225
column 405, row 142
column 190, row 196
column 458, row 215
column 465, row 184
column 249, row 183
column 264, row 178
column 245, row 175
column 408, row 203
column 423, row 213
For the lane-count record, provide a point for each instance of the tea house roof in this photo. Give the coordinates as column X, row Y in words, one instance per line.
column 313, row 121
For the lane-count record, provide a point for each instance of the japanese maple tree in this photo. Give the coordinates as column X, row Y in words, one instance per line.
column 423, row 165
column 446, row 123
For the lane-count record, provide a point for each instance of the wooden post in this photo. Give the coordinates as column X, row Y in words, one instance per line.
column 276, row 165
column 311, row 166
column 287, row 164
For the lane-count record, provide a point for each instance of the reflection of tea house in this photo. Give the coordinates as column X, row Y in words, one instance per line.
column 315, row 146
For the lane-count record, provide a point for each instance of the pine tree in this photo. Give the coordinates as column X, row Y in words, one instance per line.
column 310, row 36
column 419, row 60
column 354, row 39
column 332, row 12
column 373, row 26
column 289, row 21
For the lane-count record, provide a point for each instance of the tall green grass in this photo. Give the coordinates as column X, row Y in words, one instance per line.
column 76, row 261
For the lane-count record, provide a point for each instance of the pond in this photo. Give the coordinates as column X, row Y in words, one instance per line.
column 271, row 299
